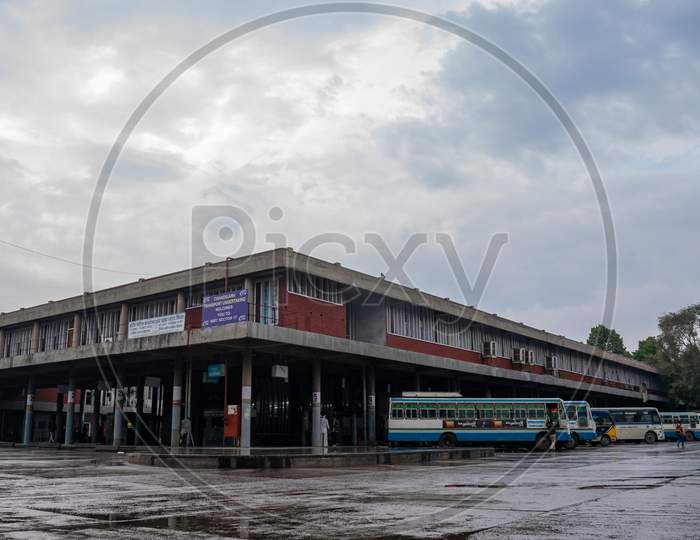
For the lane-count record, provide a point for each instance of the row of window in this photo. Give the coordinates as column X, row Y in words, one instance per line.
column 425, row 324
column 315, row 287
column 469, row 413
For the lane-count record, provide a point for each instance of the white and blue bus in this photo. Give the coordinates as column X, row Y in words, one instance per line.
column 581, row 423
column 689, row 421
column 449, row 419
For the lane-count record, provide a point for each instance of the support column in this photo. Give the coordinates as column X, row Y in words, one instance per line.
column 95, row 419
column 138, row 424
column 180, row 305
column 371, row 407
column 35, row 337
column 246, row 396
column 77, row 323
column 2, row 342
column 118, row 438
column 177, row 406
column 316, row 404
column 28, row 409
column 70, row 412
column 123, row 323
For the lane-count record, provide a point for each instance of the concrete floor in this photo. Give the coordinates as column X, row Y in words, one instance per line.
column 627, row 491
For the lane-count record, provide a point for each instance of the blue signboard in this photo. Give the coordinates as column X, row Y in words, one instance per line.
column 215, row 371
column 226, row 308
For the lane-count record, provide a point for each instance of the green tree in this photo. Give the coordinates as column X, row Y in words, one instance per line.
column 678, row 357
column 607, row 339
column 647, row 350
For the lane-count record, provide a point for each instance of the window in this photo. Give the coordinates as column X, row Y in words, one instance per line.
column 465, row 413
column 397, row 413
column 428, row 413
column 315, row 287
column 446, row 413
column 100, row 327
column 53, row 335
column 18, row 341
column 152, row 309
column 412, row 413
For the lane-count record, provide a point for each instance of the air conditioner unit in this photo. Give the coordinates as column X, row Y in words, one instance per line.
column 489, row 349
column 531, row 357
column 551, row 363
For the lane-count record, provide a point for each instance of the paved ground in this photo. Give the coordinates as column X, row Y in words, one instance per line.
column 629, row 491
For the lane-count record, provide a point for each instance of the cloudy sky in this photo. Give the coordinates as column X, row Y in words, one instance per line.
column 361, row 123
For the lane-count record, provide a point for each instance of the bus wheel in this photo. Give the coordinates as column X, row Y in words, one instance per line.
column 605, row 440
column 448, row 440
column 689, row 436
column 650, row 437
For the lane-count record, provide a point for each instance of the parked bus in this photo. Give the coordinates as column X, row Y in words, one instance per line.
column 449, row 419
column 606, row 430
column 581, row 422
column 637, row 423
column 689, row 421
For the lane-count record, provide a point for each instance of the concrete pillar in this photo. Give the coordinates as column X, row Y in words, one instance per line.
column 180, row 305
column 246, row 396
column 138, row 424
column 70, row 412
column 118, row 438
column 77, row 321
column 28, row 409
column 249, row 285
column 123, row 323
column 316, row 404
column 35, row 337
column 177, row 406
column 95, row 420
column 2, row 342
column 371, row 406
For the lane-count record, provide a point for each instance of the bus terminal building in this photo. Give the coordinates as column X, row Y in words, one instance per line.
column 253, row 351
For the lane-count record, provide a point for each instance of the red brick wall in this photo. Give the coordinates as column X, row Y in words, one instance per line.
column 499, row 361
column 536, row 368
column 436, row 349
column 310, row 315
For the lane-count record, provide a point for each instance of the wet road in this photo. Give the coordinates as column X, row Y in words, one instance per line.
column 629, row 491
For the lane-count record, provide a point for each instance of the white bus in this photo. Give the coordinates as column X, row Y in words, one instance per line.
column 637, row 423
column 449, row 419
column 689, row 421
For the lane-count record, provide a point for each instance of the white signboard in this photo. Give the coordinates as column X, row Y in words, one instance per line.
column 280, row 372
column 157, row 326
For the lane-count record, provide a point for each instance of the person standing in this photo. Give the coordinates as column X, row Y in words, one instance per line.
column 680, row 436
column 324, row 431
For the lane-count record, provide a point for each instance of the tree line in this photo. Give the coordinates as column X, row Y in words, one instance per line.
column 675, row 352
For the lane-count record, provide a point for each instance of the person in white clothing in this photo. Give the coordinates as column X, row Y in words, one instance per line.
column 324, row 430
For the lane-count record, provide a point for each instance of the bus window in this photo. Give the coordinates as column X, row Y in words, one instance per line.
column 397, row 413
column 446, row 413
column 411, row 413
column 465, row 413
column 428, row 413
column 520, row 413
column 486, row 413
column 539, row 412
column 504, row 413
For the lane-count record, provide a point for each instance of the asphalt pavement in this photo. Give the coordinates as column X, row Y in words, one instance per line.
column 625, row 491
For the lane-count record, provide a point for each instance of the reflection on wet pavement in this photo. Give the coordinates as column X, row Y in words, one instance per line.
column 632, row 491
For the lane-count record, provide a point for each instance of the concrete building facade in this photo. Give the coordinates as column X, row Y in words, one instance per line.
column 319, row 339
